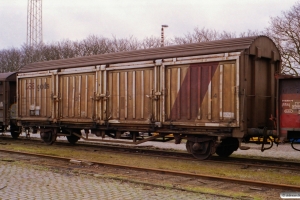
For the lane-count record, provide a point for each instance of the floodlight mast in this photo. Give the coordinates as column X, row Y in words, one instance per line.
column 162, row 42
column 34, row 23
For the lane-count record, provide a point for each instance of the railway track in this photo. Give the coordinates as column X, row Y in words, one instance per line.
column 283, row 187
column 244, row 162
column 147, row 151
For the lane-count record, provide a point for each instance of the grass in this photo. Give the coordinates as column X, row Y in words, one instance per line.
column 224, row 170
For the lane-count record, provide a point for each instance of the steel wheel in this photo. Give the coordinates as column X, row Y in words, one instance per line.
column 201, row 150
column 72, row 139
column 224, row 151
column 14, row 132
column 49, row 137
column 227, row 147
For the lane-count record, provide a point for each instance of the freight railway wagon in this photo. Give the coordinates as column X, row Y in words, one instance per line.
column 8, row 103
column 289, row 109
column 213, row 94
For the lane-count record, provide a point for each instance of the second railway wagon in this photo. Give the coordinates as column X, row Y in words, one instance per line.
column 213, row 94
column 289, row 109
column 8, row 103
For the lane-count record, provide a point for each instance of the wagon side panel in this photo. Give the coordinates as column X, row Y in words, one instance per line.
column 77, row 97
column 202, row 94
column 2, row 102
column 260, row 93
column 35, row 96
column 289, row 108
column 131, row 96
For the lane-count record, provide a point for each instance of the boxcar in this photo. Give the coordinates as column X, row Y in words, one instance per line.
column 213, row 94
column 289, row 108
column 8, row 103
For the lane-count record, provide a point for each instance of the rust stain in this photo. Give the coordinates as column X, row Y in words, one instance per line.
column 192, row 90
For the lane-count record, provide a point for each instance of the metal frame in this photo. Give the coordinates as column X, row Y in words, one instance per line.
column 34, row 23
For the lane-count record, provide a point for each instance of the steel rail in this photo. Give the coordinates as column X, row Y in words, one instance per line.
column 171, row 172
column 186, row 156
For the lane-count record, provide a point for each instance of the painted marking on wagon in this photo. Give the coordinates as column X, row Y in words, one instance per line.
column 228, row 114
column 43, row 86
column 286, row 104
column 30, row 86
column 114, row 121
column 288, row 111
column 212, row 124
column 295, row 106
column 287, row 100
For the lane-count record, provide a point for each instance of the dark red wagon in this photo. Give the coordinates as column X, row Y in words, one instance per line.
column 288, row 105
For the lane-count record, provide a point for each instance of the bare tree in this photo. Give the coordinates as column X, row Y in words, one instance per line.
column 123, row 44
column 10, row 60
column 92, row 45
column 65, row 49
column 251, row 33
column 285, row 32
column 14, row 59
column 150, row 42
column 203, row 35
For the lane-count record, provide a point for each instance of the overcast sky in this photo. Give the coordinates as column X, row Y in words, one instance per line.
column 77, row 19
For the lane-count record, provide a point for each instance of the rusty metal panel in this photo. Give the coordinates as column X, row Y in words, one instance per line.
column 202, row 94
column 131, row 95
column 7, row 95
column 35, row 93
column 289, row 105
column 77, row 97
column 2, row 102
column 260, row 93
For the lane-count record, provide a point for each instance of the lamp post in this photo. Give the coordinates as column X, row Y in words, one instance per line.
column 162, row 35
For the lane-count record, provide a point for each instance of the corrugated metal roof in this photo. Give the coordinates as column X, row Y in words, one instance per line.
column 212, row 47
column 7, row 76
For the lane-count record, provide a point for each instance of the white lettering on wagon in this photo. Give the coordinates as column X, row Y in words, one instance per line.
column 288, row 111
column 295, row 106
column 228, row 114
column 286, row 104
